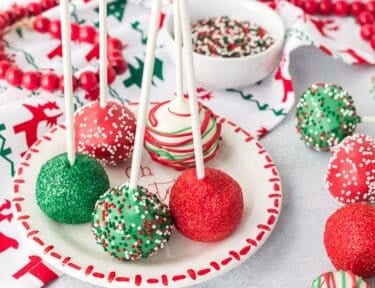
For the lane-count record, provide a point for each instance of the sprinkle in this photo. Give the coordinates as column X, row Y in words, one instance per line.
column 325, row 116
column 351, row 171
column 225, row 37
column 132, row 234
column 111, row 138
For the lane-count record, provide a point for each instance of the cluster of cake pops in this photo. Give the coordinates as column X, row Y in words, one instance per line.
column 128, row 221
column 327, row 120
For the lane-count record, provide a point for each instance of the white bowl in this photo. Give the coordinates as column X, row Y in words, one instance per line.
column 218, row 72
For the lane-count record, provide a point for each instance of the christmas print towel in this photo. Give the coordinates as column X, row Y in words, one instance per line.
column 25, row 116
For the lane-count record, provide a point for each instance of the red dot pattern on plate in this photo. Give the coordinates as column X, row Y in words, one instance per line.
column 165, row 279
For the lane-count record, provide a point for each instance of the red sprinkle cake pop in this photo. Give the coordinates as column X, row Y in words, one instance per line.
column 349, row 238
column 207, row 209
column 351, row 170
column 106, row 134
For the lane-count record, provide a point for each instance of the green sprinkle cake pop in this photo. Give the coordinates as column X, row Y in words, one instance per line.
column 131, row 224
column 67, row 194
column 325, row 116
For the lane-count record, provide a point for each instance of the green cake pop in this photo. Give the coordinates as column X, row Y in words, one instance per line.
column 67, row 193
column 131, row 224
column 325, row 116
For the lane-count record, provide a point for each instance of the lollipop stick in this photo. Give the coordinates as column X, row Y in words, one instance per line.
column 103, row 61
column 145, row 93
column 188, row 57
column 68, row 90
column 368, row 119
column 178, row 50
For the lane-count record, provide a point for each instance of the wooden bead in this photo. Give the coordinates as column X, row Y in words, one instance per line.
column 31, row 80
column 4, row 66
column 75, row 83
column 310, row 6
column 34, row 8
column 13, row 75
column 341, row 8
column 365, row 17
column 49, row 81
column 356, row 8
column 372, row 41
column 87, row 34
column 325, row 7
column 41, row 24
column 88, row 80
column 370, row 7
column 55, row 29
column 367, row 31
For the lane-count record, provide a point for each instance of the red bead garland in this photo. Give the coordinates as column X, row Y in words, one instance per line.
column 49, row 81
column 364, row 12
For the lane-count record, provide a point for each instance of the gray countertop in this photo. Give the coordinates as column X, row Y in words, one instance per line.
column 294, row 254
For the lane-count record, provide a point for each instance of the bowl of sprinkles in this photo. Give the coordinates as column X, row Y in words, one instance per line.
column 225, row 37
column 235, row 43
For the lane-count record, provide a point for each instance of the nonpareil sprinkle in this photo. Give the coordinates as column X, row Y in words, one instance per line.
column 226, row 37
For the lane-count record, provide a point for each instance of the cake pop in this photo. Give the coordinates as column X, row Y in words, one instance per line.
column 349, row 239
column 69, row 184
column 325, row 116
column 207, row 209
column 131, row 224
column 206, row 204
column 169, row 138
column 106, row 129
column 351, row 170
column 340, row 279
column 105, row 133
column 67, row 193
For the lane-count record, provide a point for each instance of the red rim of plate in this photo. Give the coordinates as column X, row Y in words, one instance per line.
column 232, row 259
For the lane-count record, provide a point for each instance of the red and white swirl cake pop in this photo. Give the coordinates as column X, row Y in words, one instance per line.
column 339, row 279
column 169, row 136
column 107, row 133
column 351, row 171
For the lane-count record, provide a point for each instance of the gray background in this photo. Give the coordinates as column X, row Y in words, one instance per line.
column 294, row 254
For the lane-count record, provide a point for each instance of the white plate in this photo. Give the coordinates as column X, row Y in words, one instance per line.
column 72, row 248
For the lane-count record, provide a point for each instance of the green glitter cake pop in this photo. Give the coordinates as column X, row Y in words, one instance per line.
column 67, row 193
column 131, row 224
column 325, row 116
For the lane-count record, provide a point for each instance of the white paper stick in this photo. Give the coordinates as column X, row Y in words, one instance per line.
column 178, row 50
column 103, row 61
column 194, row 111
column 145, row 93
column 68, row 88
column 368, row 119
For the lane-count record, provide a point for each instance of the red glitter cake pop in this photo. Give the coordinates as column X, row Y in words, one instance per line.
column 349, row 238
column 206, row 203
column 106, row 134
column 351, row 170
column 207, row 209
